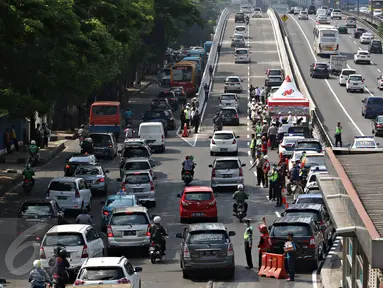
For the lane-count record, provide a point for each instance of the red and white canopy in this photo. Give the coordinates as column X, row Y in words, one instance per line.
column 287, row 90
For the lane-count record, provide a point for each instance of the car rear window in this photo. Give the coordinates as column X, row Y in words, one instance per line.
column 137, row 178
column 199, row 196
column 129, row 218
column 348, row 72
column 212, row 237
column 240, row 29
column 364, row 143
column 114, row 203
column 375, row 101
column 40, row 209
column 274, row 72
column 310, row 200
column 308, row 145
column 142, row 165
column 136, row 152
column 223, row 136
column 297, row 229
column 228, row 113
column 355, row 78
column 351, row 19
column 315, row 160
column 88, row 171
column 376, row 43
column 63, row 239
column 336, row 10
column 101, row 273
column 227, row 164
column 62, row 186
column 233, row 80
column 100, row 139
column 312, row 214
column 228, row 97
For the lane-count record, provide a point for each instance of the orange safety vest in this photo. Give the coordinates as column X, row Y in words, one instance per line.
column 264, row 146
column 265, row 243
column 267, row 166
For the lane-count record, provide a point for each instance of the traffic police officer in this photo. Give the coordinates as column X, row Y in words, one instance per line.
column 248, row 238
column 253, row 146
column 338, row 135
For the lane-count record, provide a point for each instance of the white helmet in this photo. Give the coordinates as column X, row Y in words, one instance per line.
column 240, row 187
column 265, row 157
column 37, row 264
column 157, row 220
column 33, row 142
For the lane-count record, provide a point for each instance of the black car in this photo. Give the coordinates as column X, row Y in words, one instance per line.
column 160, row 103
column 135, row 152
column 319, row 70
column 308, row 144
column 359, row 31
column 311, row 10
column 239, row 18
column 157, row 116
column 180, row 93
column 229, row 116
column 375, row 46
column 307, row 236
column 171, row 98
column 319, row 214
column 377, row 125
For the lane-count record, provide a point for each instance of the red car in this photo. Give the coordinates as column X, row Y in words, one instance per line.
column 198, row 203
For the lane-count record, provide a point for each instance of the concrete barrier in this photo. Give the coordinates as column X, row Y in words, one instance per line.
column 366, row 17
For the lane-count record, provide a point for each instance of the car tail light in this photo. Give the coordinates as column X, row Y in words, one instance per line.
column 26, row 181
column 236, row 116
column 110, row 146
column 151, row 186
column 106, row 213
column 123, row 281
column 212, row 141
column 42, row 253
column 148, row 231
column 213, row 173
column 186, row 252
column 240, row 172
column 84, row 253
column 230, row 250
column 183, row 203
column 379, row 126
column 162, row 138
column 212, row 203
column 79, row 282
column 153, row 244
column 110, row 232
column 381, row 80
column 67, row 166
column 101, row 180
column 77, row 194
column 234, row 141
column 312, row 242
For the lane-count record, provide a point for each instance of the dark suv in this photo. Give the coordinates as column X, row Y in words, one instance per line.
column 311, row 10
column 319, row 214
column 171, row 97
column 308, row 144
column 307, row 236
column 319, row 70
column 359, row 31
column 239, row 18
column 375, row 46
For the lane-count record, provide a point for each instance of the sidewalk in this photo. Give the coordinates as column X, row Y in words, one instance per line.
column 133, row 92
column 331, row 272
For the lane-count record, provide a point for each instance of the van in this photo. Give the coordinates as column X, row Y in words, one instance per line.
column 154, row 134
column 321, row 12
column 372, row 106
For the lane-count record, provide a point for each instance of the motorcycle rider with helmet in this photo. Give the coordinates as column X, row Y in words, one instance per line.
column 188, row 165
column 60, row 267
column 82, row 133
column 87, row 146
column 158, row 234
column 240, row 197
column 84, row 218
column 128, row 131
column 28, row 174
column 38, row 277
column 247, row 19
column 34, row 151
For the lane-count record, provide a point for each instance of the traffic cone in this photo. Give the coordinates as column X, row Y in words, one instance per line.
column 285, row 202
column 185, row 133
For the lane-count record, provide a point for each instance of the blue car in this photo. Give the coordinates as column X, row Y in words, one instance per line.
column 115, row 201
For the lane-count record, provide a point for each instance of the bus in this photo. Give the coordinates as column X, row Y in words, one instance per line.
column 326, row 40
column 105, row 117
column 185, row 74
column 198, row 53
column 197, row 60
column 207, row 46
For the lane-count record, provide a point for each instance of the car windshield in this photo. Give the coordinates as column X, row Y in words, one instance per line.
column 136, row 152
column 141, row 165
column 303, row 13
column 228, row 97
column 114, row 203
column 198, row 196
column 365, row 144
column 296, row 229
column 310, row 200
column 100, row 139
column 63, row 239
column 376, row 43
column 100, row 273
column 336, row 10
column 375, row 101
column 137, row 178
column 363, row 53
column 223, row 136
column 227, row 164
column 88, row 171
column 308, row 145
column 355, row 78
column 129, row 218
column 313, row 214
column 62, row 186
column 321, row 66
column 274, row 72
column 240, row 29
column 36, row 209
column 211, row 237
column 232, row 80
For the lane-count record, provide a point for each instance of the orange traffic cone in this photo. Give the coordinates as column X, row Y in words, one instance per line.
column 285, row 202
column 185, row 133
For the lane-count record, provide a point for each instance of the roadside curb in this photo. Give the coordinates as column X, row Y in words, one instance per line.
column 11, row 184
column 331, row 271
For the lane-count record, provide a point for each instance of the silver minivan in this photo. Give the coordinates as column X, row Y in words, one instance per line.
column 226, row 172
column 140, row 184
column 105, row 144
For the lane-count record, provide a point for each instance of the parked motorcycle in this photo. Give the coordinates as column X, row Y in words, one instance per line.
column 240, row 212
column 27, row 186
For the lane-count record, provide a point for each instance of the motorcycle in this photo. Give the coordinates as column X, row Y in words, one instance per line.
column 27, row 186
column 218, row 127
column 57, row 281
column 240, row 212
column 187, row 177
column 33, row 160
column 155, row 252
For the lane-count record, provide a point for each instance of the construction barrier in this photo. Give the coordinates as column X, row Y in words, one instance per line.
column 273, row 266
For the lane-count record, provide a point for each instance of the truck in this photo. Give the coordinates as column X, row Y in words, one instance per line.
column 337, row 63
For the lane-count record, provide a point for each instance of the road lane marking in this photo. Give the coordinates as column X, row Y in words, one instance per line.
column 327, row 82
column 314, row 279
column 379, row 70
column 355, row 42
column 368, row 91
column 278, row 214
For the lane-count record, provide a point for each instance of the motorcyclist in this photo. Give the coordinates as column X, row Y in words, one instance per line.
column 34, row 150
column 188, row 165
column 158, row 233
column 28, row 173
column 82, row 133
column 61, row 265
column 247, row 19
column 84, row 218
column 87, row 146
column 240, row 197
column 38, row 277
column 128, row 131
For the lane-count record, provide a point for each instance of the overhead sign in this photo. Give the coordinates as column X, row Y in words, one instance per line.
column 284, row 17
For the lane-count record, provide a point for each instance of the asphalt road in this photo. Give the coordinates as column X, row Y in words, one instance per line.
column 168, row 184
column 332, row 100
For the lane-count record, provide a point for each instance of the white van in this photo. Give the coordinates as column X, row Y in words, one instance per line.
column 154, row 134
column 321, row 12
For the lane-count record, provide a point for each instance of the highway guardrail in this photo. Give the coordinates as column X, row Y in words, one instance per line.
column 365, row 18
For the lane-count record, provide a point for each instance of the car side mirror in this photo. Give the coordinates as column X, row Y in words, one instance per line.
column 119, row 179
column 210, row 166
column 107, row 171
column 238, row 137
column 179, row 235
column 138, row 269
column 243, row 165
column 210, row 137
column 102, row 203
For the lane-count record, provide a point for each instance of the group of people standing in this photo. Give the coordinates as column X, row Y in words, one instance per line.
column 10, row 138
column 190, row 116
column 41, row 135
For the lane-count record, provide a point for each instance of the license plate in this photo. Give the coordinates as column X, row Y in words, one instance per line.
column 150, row 141
column 362, row 57
column 152, row 249
column 198, row 214
column 223, row 150
column 228, row 104
column 136, row 190
column 89, row 182
column 129, row 233
column 62, row 197
column 227, row 176
column 208, row 253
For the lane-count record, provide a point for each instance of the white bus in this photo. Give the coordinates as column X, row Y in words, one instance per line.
column 326, row 40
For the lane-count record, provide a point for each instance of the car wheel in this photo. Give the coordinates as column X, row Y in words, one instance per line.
column 347, row 90
column 211, row 153
column 182, row 220
column 185, row 274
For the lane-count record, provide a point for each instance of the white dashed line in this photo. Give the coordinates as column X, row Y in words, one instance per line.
column 379, row 70
column 278, row 214
column 360, row 49
column 354, row 42
column 350, row 37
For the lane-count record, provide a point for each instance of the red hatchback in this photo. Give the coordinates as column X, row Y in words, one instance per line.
column 198, row 203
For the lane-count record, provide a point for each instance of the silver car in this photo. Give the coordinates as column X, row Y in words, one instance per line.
column 105, row 144
column 94, row 176
column 226, row 172
column 233, row 83
column 140, row 184
column 129, row 227
column 137, row 164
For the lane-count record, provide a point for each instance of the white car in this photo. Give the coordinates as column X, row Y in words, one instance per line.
column 297, row 10
column 366, row 38
column 224, row 141
column 242, row 55
column 312, row 158
column 363, row 9
column 229, row 100
column 336, row 13
column 108, row 271
column 362, row 56
column 322, row 19
column 233, row 83
column 257, row 12
column 344, row 74
column 377, row 12
column 240, row 30
column 303, row 15
column 81, row 242
column 70, row 193
column 363, row 142
column 286, row 147
column 355, row 82
column 379, row 84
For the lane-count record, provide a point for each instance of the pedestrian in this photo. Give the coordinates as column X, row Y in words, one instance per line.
column 182, row 116
column 37, row 135
column 264, row 242
column 273, row 177
column 192, row 114
column 252, row 92
column 7, row 140
column 258, row 128
column 211, row 72
column 257, row 95
column 272, row 135
column 265, row 129
column 14, row 137
column 290, row 256
column 128, row 116
column 219, row 48
column 263, row 95
column 258, row 164
column 196, row 119
column 278, row 188
column 284, row 166
column 266, row 169
column 338, row 135
column 206, row 88
column 294, row 178
column 46, row 134
column 248, row 239
column 253, row 146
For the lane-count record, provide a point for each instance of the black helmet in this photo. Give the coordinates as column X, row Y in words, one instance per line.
column 63, row 253
column 56, row 250
column 84, row 210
